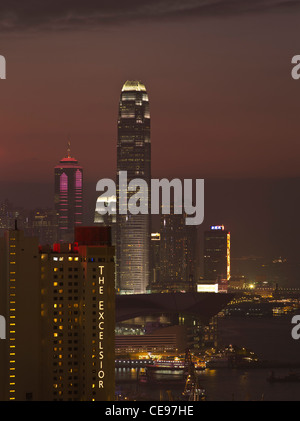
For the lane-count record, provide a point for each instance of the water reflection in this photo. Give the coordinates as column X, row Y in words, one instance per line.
column 220, row 385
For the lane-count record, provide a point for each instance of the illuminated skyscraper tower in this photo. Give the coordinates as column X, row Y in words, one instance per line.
column 133, row 156
column 217, row 253
column 68, row 198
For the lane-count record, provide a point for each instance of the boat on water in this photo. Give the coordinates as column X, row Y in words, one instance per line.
column 192, row 390
column 291, row 378
column 218, row 362
column 167, row 364
column 149, row 377
column 174, row 365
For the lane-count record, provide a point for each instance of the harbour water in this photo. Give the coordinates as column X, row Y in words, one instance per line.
column 270, row 338
column 220, row 384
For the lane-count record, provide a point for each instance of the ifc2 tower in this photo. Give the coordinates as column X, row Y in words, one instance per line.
column 134, row 156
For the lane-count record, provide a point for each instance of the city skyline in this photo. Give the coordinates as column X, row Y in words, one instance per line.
column 268, row 224
column 223, row 107
column 192, row 101
column 140, row 304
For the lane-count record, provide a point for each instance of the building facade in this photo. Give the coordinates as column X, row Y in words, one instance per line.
column 43, row 224
column 20, row 358
column 59, row 307
column 217, row 253
column 78, row 318
column 178, row 254
column 134, row 158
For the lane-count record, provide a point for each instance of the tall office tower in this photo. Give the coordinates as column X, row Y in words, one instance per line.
column 216, row 253
column 20, row 361
column 134, row 157
column 68, row 197
column 78, row 318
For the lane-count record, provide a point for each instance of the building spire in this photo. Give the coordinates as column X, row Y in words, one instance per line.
column 69, row 149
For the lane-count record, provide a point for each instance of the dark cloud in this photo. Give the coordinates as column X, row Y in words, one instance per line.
column 18, row 15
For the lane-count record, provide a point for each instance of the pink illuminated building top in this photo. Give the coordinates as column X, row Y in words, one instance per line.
column 68, row 198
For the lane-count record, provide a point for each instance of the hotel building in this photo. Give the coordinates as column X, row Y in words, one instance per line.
column 59, row 308
column 78, row 317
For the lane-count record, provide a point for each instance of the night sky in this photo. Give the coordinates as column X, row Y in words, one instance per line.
column 223, row 104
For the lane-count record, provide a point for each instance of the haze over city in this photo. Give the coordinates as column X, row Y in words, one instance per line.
column 223, row 104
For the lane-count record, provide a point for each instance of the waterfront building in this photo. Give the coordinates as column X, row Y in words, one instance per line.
column 171, row 339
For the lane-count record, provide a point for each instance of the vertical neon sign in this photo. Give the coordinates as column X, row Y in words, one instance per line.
column 101, row 372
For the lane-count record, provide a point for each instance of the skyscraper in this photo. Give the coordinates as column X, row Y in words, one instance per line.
column 178, row 248
column 134, row 157
column 172, row 253
column 216, row 253
column 68, row 199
